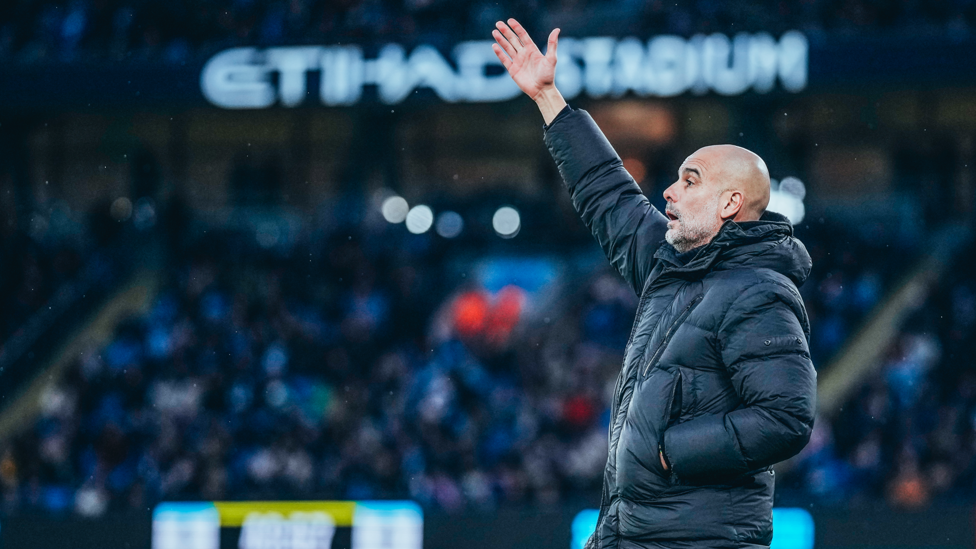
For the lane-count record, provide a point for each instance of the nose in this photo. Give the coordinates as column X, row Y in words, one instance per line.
column 669, row 193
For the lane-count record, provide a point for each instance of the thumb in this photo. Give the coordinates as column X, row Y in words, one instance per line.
column 551, row 47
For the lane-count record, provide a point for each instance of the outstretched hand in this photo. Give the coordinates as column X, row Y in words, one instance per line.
column 533, row 72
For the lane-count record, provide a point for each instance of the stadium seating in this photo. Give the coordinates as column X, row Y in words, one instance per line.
column 355, row 362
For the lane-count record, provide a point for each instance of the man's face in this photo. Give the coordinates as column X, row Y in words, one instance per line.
column 693, row 205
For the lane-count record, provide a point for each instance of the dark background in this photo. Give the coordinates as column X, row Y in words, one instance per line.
column 204, row 304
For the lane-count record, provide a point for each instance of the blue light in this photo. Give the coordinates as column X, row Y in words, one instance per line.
column 185, row 511
column 792, row 528
column 583, row 525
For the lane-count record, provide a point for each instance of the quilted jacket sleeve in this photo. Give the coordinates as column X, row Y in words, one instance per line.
column 625, row 224
column 764, row 348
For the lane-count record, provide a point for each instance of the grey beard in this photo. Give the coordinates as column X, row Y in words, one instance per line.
column 687, row 240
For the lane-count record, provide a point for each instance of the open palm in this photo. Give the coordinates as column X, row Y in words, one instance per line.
column 531, row 70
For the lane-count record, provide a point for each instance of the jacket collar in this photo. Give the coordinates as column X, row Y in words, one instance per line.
column 768, row 242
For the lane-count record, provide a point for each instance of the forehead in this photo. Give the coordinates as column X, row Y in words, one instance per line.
column 697, row 161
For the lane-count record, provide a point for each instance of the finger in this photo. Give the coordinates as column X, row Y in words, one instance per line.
column 551, row 47
column 505, row 44
column 522, row 35
column 501, row 55
column 507, row 32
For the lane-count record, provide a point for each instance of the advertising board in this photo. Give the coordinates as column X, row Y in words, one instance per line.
column 288, row 525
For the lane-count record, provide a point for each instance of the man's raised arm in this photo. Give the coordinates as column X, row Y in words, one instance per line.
column 611, row 204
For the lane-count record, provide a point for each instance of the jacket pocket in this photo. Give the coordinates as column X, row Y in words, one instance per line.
column 671, row 416
column 639, row 473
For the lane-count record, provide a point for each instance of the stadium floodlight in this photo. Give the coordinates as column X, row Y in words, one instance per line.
column 395, row 209
column 786, row 197
column 419, row 219
column 793, row 186
column 449, row 224
column 506, row 222
column 121, row 208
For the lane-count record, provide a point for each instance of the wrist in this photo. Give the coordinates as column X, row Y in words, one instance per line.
column 550, row 102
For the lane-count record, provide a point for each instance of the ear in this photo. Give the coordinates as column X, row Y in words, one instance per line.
column 731, row 204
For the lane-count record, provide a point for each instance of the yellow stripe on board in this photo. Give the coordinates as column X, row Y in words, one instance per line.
column 233, row 513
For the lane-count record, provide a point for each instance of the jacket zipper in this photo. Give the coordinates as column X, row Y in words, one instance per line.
column 670, row 333
column 674, row 391
column 640, row 310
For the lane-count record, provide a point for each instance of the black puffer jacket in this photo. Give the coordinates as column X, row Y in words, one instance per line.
column 717, row 370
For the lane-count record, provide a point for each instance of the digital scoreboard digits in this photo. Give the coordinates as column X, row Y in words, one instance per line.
column 288, row 525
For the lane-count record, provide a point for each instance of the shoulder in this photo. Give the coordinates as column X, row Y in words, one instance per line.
column 751, row 283
column 738, row 292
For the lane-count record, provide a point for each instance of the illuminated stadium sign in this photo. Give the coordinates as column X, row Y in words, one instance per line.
column 244, row 78
column 792, row 528
column 288, row 525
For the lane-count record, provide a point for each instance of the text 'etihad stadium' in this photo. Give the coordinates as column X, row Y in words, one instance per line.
column 242, row 78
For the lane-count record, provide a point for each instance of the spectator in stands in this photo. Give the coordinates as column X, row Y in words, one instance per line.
column 907, row 434
column 257, row 373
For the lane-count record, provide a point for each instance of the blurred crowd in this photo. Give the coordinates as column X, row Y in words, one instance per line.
column 853, row 267
column 346, row 367
column 36, row 258
column 359, row 361
column 47, row 250
column 69, row 30
column 908, row 434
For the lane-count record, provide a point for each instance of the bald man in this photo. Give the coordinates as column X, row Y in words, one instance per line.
column 717, row 383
